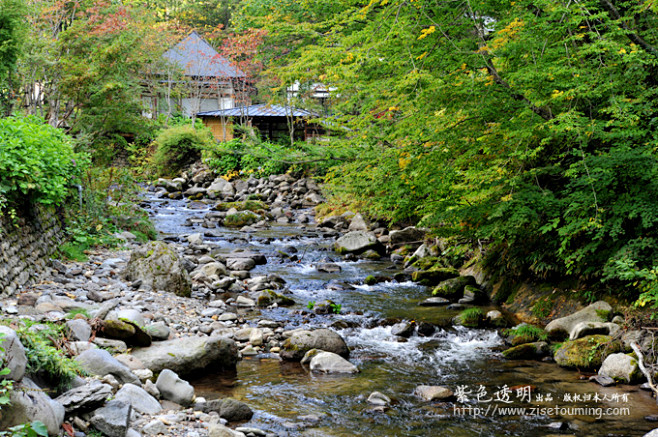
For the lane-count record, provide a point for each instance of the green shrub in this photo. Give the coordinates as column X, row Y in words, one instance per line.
column 526, row 334
column 37, row 162
column 178, row 147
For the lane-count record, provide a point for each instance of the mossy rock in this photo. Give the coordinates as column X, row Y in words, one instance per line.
column 471, row 318
column 428, row 263
column 240, row 219
column 527, row 351
column 586, row 353
column 453, row 289
column 370, row 280
column 434, row 277
column 269, row 297
column 118, row 329
column 247, row 205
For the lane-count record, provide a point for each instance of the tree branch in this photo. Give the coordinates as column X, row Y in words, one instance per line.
column 637, row 39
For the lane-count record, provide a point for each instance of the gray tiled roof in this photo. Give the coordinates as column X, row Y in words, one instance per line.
column 261, row 110
column 198, row 58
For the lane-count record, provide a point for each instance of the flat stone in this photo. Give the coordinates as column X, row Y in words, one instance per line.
column 84, row 398
column 434, row 302
column 139, row 399
column 433, row 392
column 113, row 420
column 100, row 362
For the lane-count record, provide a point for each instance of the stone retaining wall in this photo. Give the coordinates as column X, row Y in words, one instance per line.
column 26, row 244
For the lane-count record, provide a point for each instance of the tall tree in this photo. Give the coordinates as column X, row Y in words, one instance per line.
column 12, row 29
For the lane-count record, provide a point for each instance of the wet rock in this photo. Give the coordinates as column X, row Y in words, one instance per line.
column 403, row 329
column 240, row 219
column 100, row 362
column 229, row 409
column 562, row 327
column 85, row 398
column 139, row 399
column 158, row 266
column 113, row 420
column 209, row 272
column 13, row 356
column 434, row 302
column 356, row 242
column 328, row 268
column 453, row 289
column 434, row 276
column 301, row 342
column 377, row 398
column 187, row 355
column 585, row 353
column 527, row 351
column 269, row 297
column 604, row 381
column 328, row 362
column 175, row 389
column 621, row 367
column 27, row 402
column 433, row 393
column 244, row 302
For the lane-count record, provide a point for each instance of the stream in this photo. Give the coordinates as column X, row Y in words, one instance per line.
column 289, row 400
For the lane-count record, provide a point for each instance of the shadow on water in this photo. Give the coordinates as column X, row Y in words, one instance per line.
column 281, row 392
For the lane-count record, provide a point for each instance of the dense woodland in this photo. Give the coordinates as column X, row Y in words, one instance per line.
column 524, row 132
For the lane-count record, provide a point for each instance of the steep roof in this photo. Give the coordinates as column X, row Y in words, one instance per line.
column 197, row 58
column 260, row 110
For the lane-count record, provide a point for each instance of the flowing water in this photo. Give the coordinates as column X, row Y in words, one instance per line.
column 281, row 392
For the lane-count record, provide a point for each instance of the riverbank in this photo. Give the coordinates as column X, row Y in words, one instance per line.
column 369, row 301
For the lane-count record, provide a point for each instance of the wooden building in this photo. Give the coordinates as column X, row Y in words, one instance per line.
column 273, row 122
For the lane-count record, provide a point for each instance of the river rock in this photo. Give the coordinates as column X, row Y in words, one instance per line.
column 356, row 242
column 434, row 302
column 187, row 355
column 28, row 402
column 328, row 362
column 621, row 367
column 652, row 433
column 220, row 188
column 583, row 329
column 377, row 398
column 155, row 427
column 403, row 329
column 295, row 347
column 562, row 327
column 139, row 399
column 585, row 353
column 219, row 430
column 79, row 330
column 229, row 409
column 453, row 289
column 13, row 357
column 84, row 398
column 240, row 219
column 175, row 389
column 158, row 331
column 434, row 276
column 158, row 266
column 240, row 263
column 527, row 351
column 113, row 420
column 100, row 362
column 433, row 393
column 358, row 223
column 210, row 272
column 409, row 235
column 328, row 268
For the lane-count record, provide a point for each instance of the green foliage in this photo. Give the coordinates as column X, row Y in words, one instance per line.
column 12, row 29
column 6, row 385
column 33, row 429
column 37, row 162
column 43, row 355
column 178, row 147
column 471, row 317
column 542, row 307
column 529, row 332
column 310, row 305
column 335, row 308
column 530, row 132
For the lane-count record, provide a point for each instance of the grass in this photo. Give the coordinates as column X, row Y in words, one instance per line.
column 471, row 317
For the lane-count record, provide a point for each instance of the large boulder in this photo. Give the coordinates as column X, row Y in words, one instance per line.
column 139, row 399
column 174, row 389
column 586, row 353
column 453, row 289
column 356, row 242
column 187, row 355
column 220, row 188
column 561, row 328
column 409, row 235
column 27, row 403
column 527, row 351
column 621, row 367
column 13, row 357
column 100, row 362
column 230, row 409
column 295, row 347
column 113, row 420
column 328, row 362
column 434, row 276
column 159, row 267
column 86, row 397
